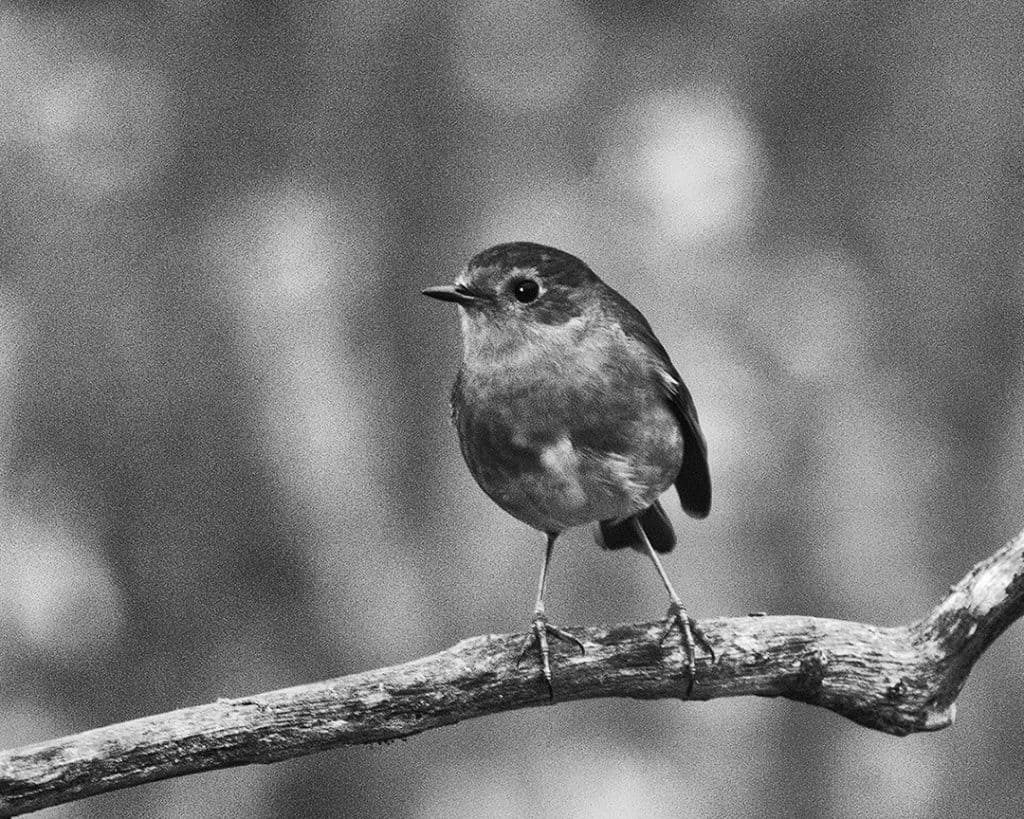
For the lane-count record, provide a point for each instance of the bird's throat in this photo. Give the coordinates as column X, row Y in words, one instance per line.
column 490, row 345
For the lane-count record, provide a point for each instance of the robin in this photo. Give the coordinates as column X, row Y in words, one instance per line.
column 569, row 411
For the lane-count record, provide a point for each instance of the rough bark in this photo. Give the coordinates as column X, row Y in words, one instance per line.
column 898, row 680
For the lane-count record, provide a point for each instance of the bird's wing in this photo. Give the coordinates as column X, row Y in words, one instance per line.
column 694, row 480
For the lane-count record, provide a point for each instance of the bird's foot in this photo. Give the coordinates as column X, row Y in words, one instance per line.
column 539, row 638
column 692, row 636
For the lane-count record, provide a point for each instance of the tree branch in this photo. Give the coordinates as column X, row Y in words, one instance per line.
column 897, row 680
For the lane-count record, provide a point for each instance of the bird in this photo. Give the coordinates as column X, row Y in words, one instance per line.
column 570, row 412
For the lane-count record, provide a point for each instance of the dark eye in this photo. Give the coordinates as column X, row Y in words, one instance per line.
column 525, row 290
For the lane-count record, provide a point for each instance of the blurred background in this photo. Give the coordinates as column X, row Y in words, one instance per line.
column 226, row 464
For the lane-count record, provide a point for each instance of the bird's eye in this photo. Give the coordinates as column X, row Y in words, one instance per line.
column 525, row 290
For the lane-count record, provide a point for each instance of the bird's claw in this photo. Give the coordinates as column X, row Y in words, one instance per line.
column 539, row 637
column 692, row 635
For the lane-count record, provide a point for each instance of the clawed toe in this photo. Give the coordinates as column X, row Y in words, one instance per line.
column 692, row 635
column 539, row 638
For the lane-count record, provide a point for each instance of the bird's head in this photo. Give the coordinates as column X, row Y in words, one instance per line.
column 518, row 294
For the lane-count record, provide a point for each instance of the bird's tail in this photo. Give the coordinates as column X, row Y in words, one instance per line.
column 626, row 533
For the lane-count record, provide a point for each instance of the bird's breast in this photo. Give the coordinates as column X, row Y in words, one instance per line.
column 562, row 439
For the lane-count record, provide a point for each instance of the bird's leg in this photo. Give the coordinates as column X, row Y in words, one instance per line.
column 677, row 616
column 541, row 627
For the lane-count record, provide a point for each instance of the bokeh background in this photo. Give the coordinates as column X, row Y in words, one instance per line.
column 226, row 464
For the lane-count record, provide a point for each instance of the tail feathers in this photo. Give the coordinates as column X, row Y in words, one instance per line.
column 618, row 535
column 626, row 533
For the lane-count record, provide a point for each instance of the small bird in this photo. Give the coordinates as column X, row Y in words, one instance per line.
column 570, row 412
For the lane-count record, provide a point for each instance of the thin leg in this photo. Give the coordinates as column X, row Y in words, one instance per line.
column 541, row 627
column 677, row 616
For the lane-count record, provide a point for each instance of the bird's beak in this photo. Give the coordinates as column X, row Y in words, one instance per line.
column 458, row 293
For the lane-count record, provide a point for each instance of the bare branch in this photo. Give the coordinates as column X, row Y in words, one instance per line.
column 897, row 680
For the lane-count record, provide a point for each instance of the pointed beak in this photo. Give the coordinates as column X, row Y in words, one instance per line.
column 458, row 293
